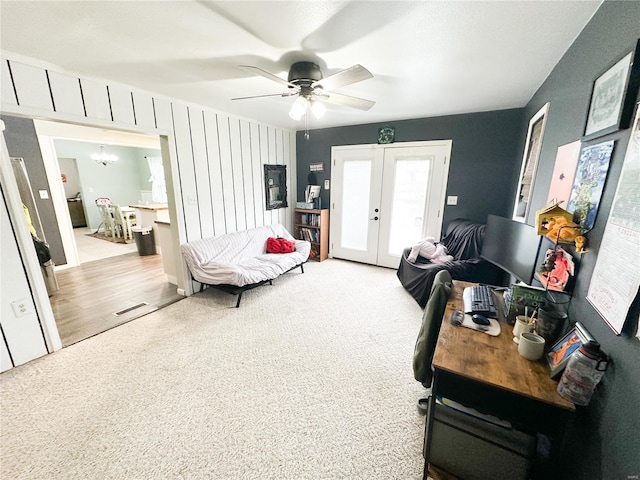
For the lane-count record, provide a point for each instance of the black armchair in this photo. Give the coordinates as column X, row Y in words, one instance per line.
column 463, row 241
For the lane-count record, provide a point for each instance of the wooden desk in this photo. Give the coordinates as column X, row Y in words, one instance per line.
column 488, row 374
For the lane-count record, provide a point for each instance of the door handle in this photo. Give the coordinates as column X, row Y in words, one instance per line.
column 374, row 218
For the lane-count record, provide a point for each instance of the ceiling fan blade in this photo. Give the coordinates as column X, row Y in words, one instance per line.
column 286, row 94
column 270, row 76
column 345, row 100
column 341, row 30
column 350, row 75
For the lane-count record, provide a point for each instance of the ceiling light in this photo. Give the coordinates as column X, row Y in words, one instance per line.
column 103, row 157
column 318, row 109
column 299, row 108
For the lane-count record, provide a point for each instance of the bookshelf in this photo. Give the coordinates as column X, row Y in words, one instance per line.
column 313, row 226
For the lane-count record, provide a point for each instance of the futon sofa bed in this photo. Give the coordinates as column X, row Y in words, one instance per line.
column 463, row 240
column 238, row 261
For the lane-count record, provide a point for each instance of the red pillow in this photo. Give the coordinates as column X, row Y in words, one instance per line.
column 280, row 245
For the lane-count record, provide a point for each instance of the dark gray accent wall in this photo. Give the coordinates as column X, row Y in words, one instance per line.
column 604, row 441
column 485, row 163
column 22, row 141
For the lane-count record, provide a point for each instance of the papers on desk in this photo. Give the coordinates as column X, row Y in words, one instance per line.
column 493, row 329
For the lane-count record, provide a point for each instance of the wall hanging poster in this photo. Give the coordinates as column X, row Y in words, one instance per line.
column 564, row 172
column 589, row 183
column 616, row 276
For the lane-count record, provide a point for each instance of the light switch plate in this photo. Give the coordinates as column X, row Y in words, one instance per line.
column 452, row 200
column 44, row 194
column 326, row 184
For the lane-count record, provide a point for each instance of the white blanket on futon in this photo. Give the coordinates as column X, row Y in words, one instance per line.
column 240, row 258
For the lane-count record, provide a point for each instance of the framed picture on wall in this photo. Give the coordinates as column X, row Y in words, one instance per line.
column 535, row 132
column 588, row 183
column 614, row 93
column 563, row 174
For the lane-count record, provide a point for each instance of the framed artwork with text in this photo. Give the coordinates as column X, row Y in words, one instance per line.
column 613, row 96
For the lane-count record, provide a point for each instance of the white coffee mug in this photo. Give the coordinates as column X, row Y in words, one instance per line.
column 521, row 326
column 531, row 346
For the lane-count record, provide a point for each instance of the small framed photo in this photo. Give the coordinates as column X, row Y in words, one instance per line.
column 613, row 96
column 558, row 356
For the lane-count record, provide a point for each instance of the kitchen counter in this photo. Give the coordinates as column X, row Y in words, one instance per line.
column 149, row 213
column 163, row 236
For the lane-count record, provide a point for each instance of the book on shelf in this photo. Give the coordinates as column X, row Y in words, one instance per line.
column 309, row 235
column 311, row 219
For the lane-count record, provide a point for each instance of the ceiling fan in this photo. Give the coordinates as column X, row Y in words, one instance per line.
column 305, row 81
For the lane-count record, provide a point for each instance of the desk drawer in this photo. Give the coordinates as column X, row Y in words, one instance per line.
column 471, row 448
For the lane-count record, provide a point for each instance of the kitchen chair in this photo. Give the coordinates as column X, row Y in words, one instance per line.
column 108, row 224
column 123, row 220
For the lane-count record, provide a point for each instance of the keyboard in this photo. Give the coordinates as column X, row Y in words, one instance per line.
column 479, row 299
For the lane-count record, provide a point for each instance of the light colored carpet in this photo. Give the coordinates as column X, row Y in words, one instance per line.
column 310, row 378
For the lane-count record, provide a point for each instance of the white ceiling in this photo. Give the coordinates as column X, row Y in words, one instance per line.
column 428, row 58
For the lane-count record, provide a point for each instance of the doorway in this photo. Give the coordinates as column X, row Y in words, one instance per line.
column 386, row 197
column 104, row 282
column 124, row 182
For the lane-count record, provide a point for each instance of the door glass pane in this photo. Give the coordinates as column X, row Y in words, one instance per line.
column 356, row 187
column 408, row 203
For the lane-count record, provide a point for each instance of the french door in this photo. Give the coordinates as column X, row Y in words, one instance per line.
column 384, row 198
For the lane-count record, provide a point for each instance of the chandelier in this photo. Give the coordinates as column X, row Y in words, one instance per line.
column 103, row 157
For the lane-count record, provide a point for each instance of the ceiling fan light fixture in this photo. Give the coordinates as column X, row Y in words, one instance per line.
column 318, row 109
column 299, row 108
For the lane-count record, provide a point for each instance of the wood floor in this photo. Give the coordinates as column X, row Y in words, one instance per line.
column 90, row 294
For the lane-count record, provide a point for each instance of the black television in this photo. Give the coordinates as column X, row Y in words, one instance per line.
column 512, row 246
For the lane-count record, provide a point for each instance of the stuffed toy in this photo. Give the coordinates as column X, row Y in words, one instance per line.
column 557, row 269
column 561, row 230
column 429, row 249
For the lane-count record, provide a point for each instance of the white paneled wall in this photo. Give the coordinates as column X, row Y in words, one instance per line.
column 21, row 334
column 31, row 86
column 7, row 92
column 143, row 108
column 216, row 160
column 66, row 90
column 96, row 100
column 219, row 158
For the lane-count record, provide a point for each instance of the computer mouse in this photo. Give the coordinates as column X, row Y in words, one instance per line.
column 480, row 319
column 456, row 318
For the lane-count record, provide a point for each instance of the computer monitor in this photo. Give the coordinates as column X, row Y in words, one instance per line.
column 512, row 246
